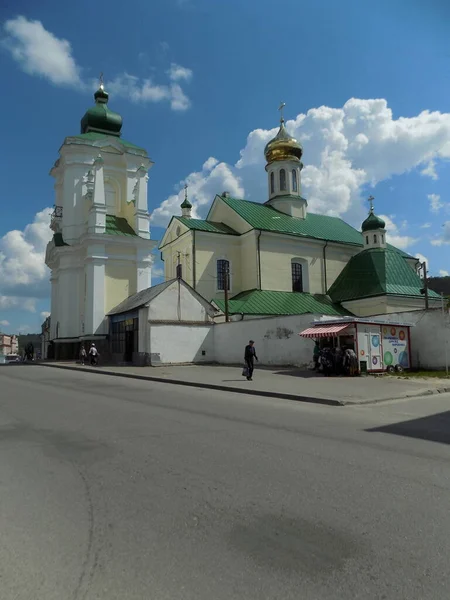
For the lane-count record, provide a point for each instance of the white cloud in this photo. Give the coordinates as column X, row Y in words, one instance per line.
column 215, row 177
column 23, row 273
column 40, row 52
column 443, row 273
column 28, row 304
column 179, row 73
column 24, row 329
column 430, row 170
column 45, row 314
column 426, row 226
column 347, row 150
column 393, row 235
column 435, row 203
column 444, row 238
column 4, row 323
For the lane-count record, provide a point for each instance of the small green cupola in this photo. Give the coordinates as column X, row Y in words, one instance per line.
column 186, row 206
column 100, row 118
column 373, row 229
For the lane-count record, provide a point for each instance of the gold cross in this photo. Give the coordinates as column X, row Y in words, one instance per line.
column 371, row 199
column 281, row 107
column 185, row 191
column 101, row 80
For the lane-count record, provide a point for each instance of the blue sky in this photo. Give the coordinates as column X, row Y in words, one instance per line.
column 198, row 83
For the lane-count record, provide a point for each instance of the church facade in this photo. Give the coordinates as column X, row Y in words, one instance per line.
column 277, row 258
column 100, row 252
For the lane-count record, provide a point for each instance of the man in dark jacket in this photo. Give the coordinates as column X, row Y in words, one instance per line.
column 249, row 358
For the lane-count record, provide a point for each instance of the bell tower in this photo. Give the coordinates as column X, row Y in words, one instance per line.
column 101, row 248
column 283, row 156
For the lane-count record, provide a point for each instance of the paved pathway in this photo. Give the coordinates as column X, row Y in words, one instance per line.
column 299, row 385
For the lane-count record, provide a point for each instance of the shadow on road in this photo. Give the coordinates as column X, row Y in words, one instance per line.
column 434, row 428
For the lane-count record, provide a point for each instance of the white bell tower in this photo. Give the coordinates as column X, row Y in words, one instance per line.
column 101, row 248
column 283, row 155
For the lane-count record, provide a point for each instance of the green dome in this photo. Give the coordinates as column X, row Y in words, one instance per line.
column 372, row 222
column 99, row 118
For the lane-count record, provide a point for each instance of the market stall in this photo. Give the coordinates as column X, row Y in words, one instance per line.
column 378, row 345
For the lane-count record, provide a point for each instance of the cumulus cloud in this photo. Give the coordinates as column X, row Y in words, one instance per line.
column 45, row 314
column 430, row 170
column 179, row 73
column 39, row 52
column 435, row 203
column 444, row 238
column 426, row 226
column 346, row 150
column 443, row 273
column 23, row 273
column 214, row 177
column 4, row 323
column 393, row 235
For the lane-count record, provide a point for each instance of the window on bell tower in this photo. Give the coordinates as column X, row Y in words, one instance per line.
column 294, row 181
column 282, row 179
column 272, row 182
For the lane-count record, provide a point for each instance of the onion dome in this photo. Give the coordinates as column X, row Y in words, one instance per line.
column 372, row 222
column 100, row 118
column 283, row 146
column 186, row 203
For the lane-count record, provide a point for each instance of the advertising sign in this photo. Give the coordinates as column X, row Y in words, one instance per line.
column 395, row 346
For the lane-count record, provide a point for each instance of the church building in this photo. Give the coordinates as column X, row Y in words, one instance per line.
column 276, row 258
column 100, row 252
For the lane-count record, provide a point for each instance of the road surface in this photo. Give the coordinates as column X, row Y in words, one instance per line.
column 122, row 489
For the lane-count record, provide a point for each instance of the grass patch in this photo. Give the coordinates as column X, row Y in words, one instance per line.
column 424, row 374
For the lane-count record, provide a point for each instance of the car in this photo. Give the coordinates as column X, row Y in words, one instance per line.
column 12, row 358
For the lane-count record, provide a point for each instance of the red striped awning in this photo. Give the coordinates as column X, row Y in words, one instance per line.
column 323, row 331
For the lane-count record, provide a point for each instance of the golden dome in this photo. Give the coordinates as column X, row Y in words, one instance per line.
column 283, row 147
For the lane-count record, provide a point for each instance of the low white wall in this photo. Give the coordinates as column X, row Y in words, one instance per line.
column 276, row 340
column 429, row 337
column 177, row 344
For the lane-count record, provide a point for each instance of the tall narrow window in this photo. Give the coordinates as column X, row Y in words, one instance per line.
column 375, row 238
column 272, row 182
column 294, row 180
column 297, row 277
column 223, row 274
column 282, row 179
column 179, row 271
column 367, row 239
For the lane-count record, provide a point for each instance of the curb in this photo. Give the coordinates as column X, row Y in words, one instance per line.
column 210, row 386
column 406, row 397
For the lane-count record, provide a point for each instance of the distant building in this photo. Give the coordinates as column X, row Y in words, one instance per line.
column 8, row 344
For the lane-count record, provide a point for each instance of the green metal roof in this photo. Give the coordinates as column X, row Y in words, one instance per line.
column 93, row 136
column 118, row 226
column 260, row 216
column 377, row 272
column 264, row 302
column 201, row 225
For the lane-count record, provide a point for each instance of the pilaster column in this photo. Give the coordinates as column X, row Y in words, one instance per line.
column 97, row 212
column 141, row 215
column 95, row 322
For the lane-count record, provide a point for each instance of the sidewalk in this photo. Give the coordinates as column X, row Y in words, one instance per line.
column 288, row 383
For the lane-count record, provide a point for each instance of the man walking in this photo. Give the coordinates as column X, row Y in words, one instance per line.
column 249, row 357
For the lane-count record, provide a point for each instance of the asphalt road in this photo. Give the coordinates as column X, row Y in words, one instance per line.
column 122, row 489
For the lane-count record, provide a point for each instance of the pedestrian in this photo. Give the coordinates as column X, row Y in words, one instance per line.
column 83, row 355
column 249, row 358
column 93, row 353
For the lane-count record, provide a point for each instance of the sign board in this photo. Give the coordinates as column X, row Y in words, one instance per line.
column 395, row 346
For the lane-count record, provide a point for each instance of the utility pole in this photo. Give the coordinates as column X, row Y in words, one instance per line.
column 226, row 279
column 424, row 290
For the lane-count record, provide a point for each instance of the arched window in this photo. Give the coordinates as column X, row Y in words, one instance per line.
column 110, row 198
column 223, row 274
column 297, row 276
column 282, row 179
column 367, row 239
column 382, row 239
column 272, row 182
column 375, row 238
column 294, row 180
